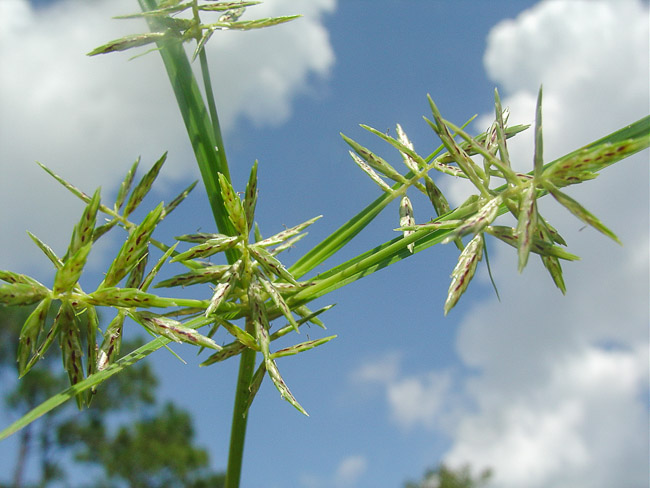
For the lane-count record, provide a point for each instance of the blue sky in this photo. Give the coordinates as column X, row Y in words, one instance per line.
column 549, row 391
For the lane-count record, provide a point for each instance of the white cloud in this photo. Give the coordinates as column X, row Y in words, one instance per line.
column 347, row 474
column 560, row 393
column 414, row 400
column 582, row 424
column 350, row 470
column 89, row 118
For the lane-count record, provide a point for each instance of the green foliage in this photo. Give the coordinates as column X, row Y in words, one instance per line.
column 154, row 452
column 160, row 446
column 445, row 477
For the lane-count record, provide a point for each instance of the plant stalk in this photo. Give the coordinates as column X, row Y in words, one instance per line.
column 240, row 413
column 208, row 149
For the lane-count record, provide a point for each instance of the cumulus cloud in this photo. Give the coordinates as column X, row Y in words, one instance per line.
column 348, row 472
column 89, row 118
column 414, row 400
column 559, row 393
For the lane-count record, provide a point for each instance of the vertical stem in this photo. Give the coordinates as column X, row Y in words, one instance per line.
column 209, row 95
column 208, row 149
column 25, row 438
column 240, row 413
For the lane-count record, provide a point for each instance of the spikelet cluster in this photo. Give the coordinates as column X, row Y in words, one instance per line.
column 475, row 217
column 256, row 286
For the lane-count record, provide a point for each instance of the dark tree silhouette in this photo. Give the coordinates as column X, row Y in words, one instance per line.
column 155, row 449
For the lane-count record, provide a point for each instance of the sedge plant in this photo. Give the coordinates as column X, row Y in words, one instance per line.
column 255, row 298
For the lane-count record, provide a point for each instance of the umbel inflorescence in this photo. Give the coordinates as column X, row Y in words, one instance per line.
column 253, row 291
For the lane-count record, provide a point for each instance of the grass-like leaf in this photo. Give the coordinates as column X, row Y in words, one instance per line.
column 92, row 381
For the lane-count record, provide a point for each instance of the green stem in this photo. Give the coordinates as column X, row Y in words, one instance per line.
column 208, row 149
column 205, row 136
column 240, row 414
column 212, row 107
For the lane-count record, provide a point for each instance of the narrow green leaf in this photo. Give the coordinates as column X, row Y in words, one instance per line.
column 62, row 397
column 47, row 342
column 257, row 234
